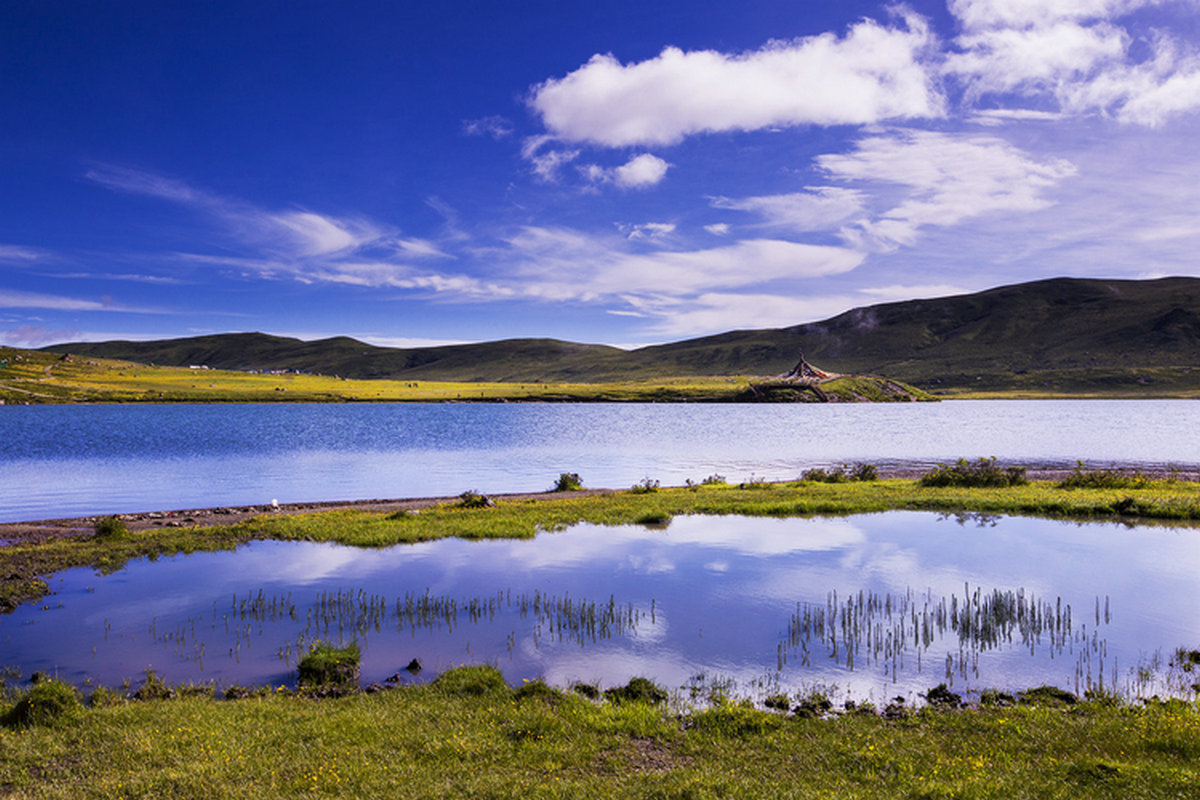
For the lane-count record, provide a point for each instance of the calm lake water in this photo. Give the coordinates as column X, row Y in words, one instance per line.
column 81, row 460
column 873, row 605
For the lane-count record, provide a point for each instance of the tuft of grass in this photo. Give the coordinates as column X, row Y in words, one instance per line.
column 638, row 690
column 568, row 482
column 326, row 666
column 985, row 472
column 471, row 681
column 48, row 702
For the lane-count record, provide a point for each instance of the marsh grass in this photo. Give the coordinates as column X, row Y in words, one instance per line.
column 327, row 666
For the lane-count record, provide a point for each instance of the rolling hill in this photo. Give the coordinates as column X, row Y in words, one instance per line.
column 1059, row 335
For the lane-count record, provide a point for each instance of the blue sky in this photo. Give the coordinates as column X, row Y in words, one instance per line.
column 625, row 173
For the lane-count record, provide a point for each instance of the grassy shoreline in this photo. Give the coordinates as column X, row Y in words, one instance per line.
column 469, row 735
column 24, row 564
column 465, row 735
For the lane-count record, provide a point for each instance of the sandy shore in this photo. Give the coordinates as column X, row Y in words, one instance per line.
column 40, row 530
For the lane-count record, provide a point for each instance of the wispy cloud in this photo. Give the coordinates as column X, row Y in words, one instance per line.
column 1079, row 54
column 14, row 253
column 293, row 243
column 872, row 74
column 948, row 178
column 34, row 336
column 12, row 298
column 496, row 127
column 817, row 208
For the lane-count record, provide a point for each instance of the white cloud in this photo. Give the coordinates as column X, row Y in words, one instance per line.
column 640, row 172
column 948, row 179
column 873, row 73
column 815, row 209
column 1145, row 94
column 1078, row 54
column 560, row 264
column 546, row 163
column 718, row 228
column 1002, row 60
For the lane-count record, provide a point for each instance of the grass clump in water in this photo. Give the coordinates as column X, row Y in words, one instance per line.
column 326, row 666
column 985, row 472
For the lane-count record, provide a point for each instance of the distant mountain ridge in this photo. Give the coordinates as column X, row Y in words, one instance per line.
column 1063, row 326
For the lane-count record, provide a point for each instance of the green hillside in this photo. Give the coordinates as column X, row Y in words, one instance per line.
column 1058, row 336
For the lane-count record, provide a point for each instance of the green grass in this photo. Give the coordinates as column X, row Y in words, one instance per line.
column 439, row 741
column 22, row 566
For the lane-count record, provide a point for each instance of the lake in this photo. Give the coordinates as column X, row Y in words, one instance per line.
column 868, row 606
column 58, row 461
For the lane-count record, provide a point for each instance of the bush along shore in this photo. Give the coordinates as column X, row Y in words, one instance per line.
column 469, row 734
column 33, row 552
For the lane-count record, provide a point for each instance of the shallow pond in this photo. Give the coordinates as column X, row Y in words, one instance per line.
column 58, row 461
column 874, row 605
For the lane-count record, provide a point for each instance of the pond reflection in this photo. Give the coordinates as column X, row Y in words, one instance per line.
column 871, row 605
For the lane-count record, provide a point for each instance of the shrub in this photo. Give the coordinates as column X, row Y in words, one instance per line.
column 638, row 690
column 645, row 486
column 111, row 527
column 1104, row 479
column 982, row 473
column 823, row 476
column 654, row 520
column 471, row 681
column 568, row 482
column 47, row 702
column 472, row 499
column 327, row 666
column 713, row 480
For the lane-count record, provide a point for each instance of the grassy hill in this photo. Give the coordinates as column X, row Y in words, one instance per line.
column 1058, row 336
